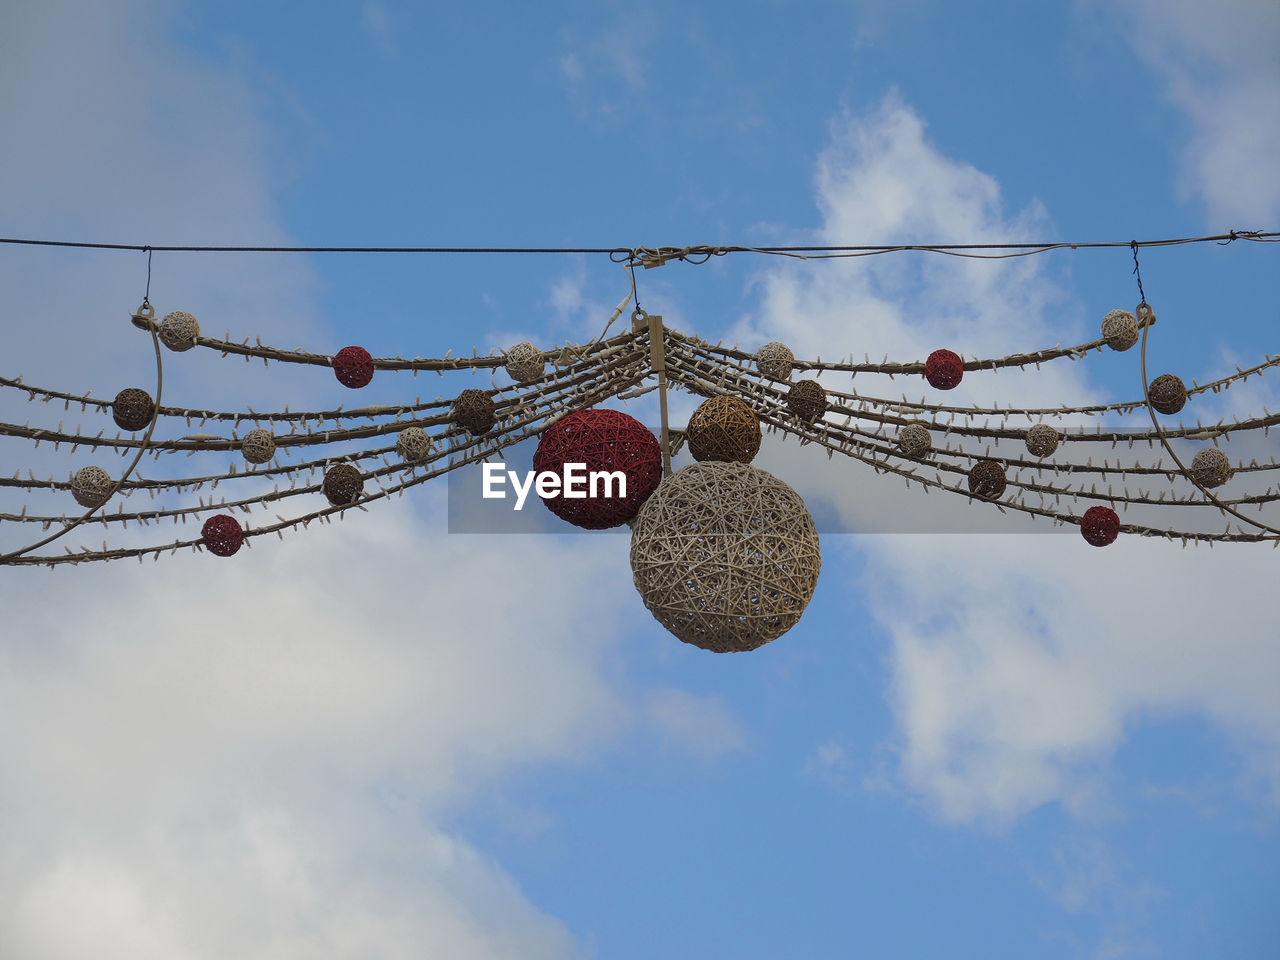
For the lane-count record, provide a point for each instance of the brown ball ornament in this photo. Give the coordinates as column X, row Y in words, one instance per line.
column 1168, row 394
column 1211, row 468
column 987, row 480
column 343, row 484
column 474, row 411
column 807, row 400
column 724, row 428
column 133, row 409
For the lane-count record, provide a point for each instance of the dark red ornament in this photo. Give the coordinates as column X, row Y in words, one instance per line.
column 353, row 366
column 944, row 369
column 222, row 535
column 1100, row 526
column 602, row 440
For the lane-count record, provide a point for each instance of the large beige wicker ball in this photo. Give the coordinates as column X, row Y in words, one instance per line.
column 1042, row 440
column 915, row 441
column 724, row 428
column 258, row 446
column 524, row 363
column 1120, row 330
column 1210, row 467
column 91, row 486
column 774, row 360
column 413, row 444
column 725, row 556
column 179, row 330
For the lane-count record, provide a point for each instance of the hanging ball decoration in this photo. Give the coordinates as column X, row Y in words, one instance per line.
column 524, row 363
column 915, row 441
column 91, row 486
column 944, row 370
column 413, row 444
column 474, row 411
column 258, row 446
column 1210, row 467
column 343, row 484
column 179, row 330
column 725, row 556
column 1168, row 394
column 1100, row 526
column 807, row 400
column 1042, row 440
column 353, row 366
column 987, row 480
column 603, row 441
column 775, row 360
column 133, row 409
column 1120, row 330
column 724, row 428
column 222, row 535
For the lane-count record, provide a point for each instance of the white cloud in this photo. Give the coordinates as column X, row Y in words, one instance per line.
column 701, row 725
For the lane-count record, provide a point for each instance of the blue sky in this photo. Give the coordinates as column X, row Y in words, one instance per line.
column 379, row 739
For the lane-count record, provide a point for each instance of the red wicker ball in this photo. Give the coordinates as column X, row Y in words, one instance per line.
column 353, row 366
column 222, row 535
column 603, row 440
column 944, row 369
column 1100, row 526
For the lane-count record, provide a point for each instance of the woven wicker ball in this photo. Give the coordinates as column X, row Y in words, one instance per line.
column 914, row 440
column 944, row 370
column 179, row 330
column 725, row 556
column 1042, row 440
column 474, row 411
column 222, row 535
column 724, row 428
column 353, row 366
column 1168, row 394
column 1120, row 330
column 343, row 484
column 774, row 360
column 524, row 363
column 133, row 409
column 602, row 440
column 258, row 446
column 1100, row 526
column 413, row 444
column 987, row 480
column 1210, row 467
column 91, row 486
column 807, row 400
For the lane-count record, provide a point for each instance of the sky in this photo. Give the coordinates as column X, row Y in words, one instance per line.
column 381, row 739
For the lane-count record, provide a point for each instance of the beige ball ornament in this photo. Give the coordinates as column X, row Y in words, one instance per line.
column 91, row 486
column 1211, row 468
column 1042, row 440
column 258, row 446
column 1120, row 330
column 524, row 363
column 915, row 441
column 725, row 556
column 179, row 330
column 775, row 360
column 413, row 444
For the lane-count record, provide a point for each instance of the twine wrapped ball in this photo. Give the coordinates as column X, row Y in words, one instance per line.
column 353, row 366
column 133, row 409
column 915, row 441
column 1100, row 526
column 807, row 400
column 413, row 444
column 1120, row 330
column 343, row 484
column 725, row 556
column 91, row 486
column 524, row 363
column 222, row 535
column 775, row 360
column 1042, row 440
column 1210, row 467
column 944, row 370
column 1168, row 394
column 474, row 411
column 258, row 446
column 724, row 428
column 987, row 480
column 604, row 441
column 179, row 330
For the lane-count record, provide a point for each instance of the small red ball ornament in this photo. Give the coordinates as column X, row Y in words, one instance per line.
column 944, row 369
column 353, row 366
column 604, row 441
column 1100, row 526
column 222, row 535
